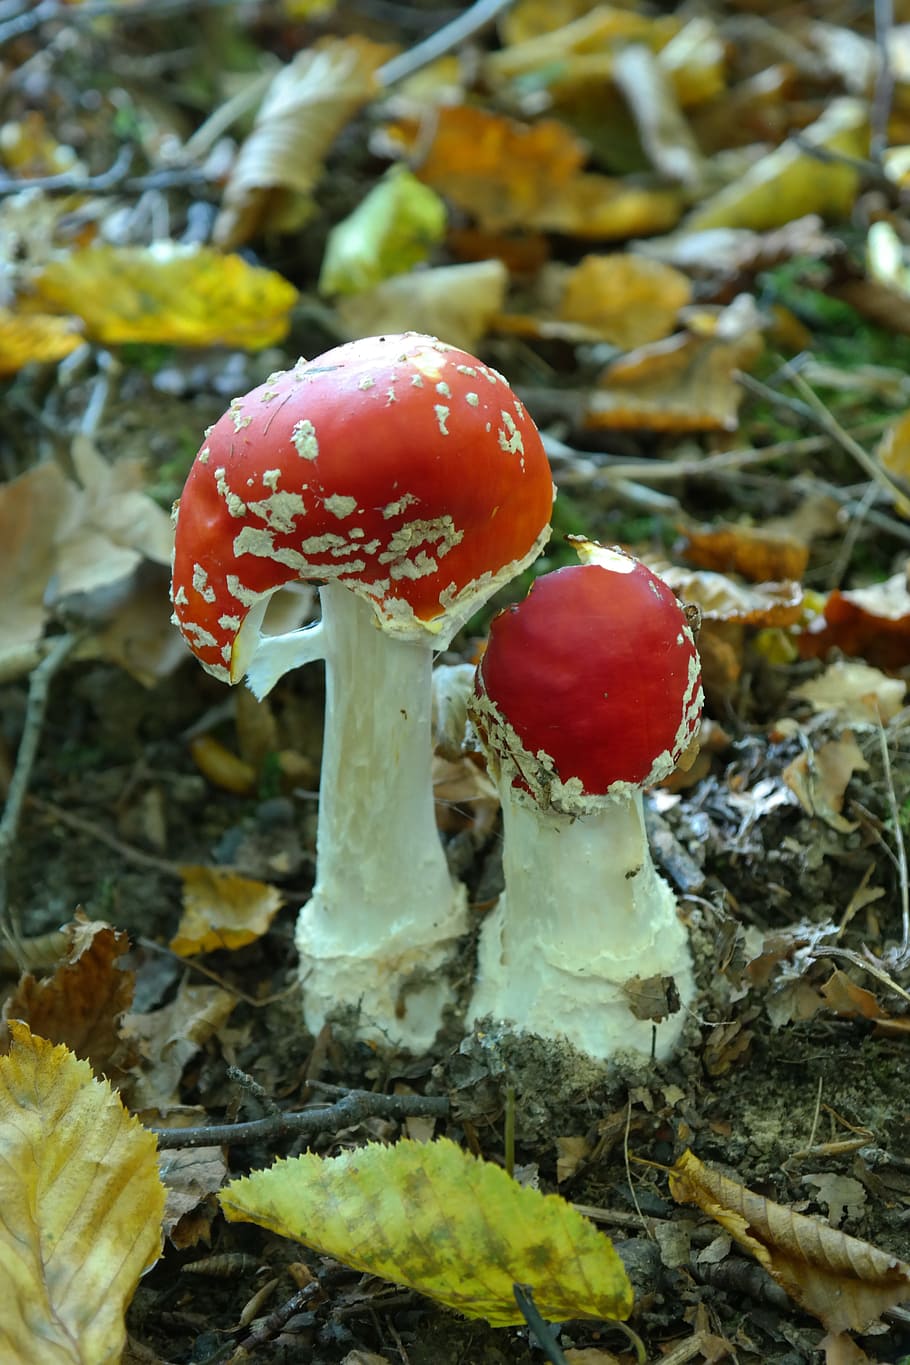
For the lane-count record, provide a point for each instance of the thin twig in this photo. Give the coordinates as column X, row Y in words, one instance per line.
column 870, row 171
column 463, row 27
column 49, row 11
column 268, row 1328
column 810, row 407
column 883, row 94
column 114, row 180
column 104, row 836
column 538, row 1325
column 38, row 688
column 356, row 1106
column 899, row 846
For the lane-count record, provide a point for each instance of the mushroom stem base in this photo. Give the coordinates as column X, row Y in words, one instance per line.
column 585, row 919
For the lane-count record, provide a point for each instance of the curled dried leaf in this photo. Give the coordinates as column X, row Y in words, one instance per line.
column 843, row 1281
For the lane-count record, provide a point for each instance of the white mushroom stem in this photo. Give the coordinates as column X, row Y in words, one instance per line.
column 384, row 914
column 583, row 915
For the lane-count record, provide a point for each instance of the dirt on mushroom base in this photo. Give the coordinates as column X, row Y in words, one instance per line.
column 748, row 1091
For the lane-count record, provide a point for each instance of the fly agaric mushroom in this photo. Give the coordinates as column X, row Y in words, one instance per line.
column 588, row 692
column 406, row 477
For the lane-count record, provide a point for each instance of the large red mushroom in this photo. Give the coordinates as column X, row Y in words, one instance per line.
column 406, row 478
column 589, row 692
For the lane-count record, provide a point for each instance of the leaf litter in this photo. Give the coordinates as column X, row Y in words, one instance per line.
column 682, row 239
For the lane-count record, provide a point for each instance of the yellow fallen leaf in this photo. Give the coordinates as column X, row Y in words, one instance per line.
column 843, row 1281
column 625, row 299
column 434, row 1218
column 789, row 182
column 35, row 337
column 182, row 295
column 894, row 453
column 81, row 1205
column 222, row 910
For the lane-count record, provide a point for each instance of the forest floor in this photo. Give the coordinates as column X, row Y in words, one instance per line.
column 784, row 843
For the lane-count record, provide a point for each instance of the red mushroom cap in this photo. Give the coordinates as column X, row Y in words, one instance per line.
column 591, row 686
column 401, row 466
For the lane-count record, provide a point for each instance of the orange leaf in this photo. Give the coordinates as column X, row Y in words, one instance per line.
column 83, row 1002
column 866, row 623
column 752, row 551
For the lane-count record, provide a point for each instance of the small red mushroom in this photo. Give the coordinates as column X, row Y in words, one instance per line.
column 406, row 478
column 589, row 691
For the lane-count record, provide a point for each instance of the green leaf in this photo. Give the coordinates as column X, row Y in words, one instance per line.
column 393, row 229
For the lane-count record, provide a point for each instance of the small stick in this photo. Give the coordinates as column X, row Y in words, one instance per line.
column 883, row 94
column 900, row 846
column 356, row 1106
column 38, row 688
column 464, row 26
column 538, row 1325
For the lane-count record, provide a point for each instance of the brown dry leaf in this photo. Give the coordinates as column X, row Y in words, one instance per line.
column 894, row 453
column 819, row 778
column 789, row 183
column 306, row 106
column 140, row 636
column 222, row 910
column 758, row 554
column 728, row 610
column 845, row 1282
column 36, row 337
column 727, row 1046
column 464, row 795
column 168, row 1037
column 32, row 508
column 180, row 295
column 83, row 1002
column 850, row 1001
column 866, row 623
column 82, row 1206
column 61, row 539
column 591, row 1355
column 684, row 383
column 571, row 1154
column 458, row 302
column 859, row 694
column 191, row 1176
column 115, row 527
